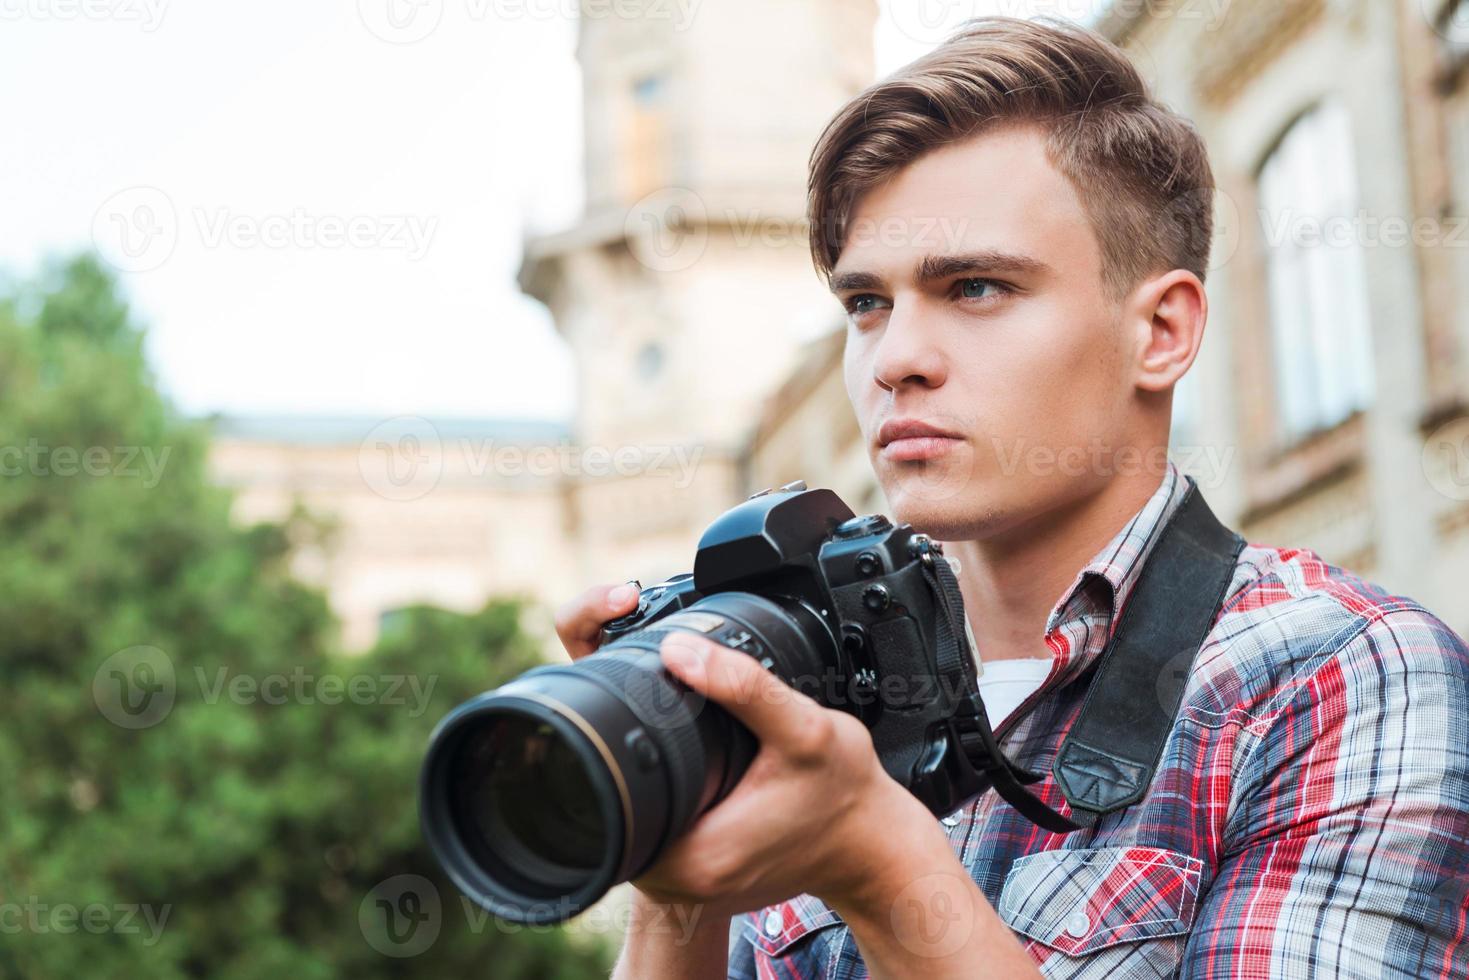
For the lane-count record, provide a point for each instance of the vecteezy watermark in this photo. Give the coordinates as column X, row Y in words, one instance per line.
column 932, row 21
column 1208, row 465
column 409, row 21
column 134, row 688
column 137, row 688
column 668, row 230
column 404, row 915
column 147, row 14
column 300, row 687
column 1446, row 459
column 1305, row 229
column 404, row 458
column 38, row 459
column 408, row 233
column 934, row 915
column 65, row 918
column 401, row 916
column 138, row 228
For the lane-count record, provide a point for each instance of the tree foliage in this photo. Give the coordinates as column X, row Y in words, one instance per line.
column 180, row 741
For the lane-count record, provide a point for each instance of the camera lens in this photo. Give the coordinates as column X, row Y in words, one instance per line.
column 541, row 795
column 517, row 782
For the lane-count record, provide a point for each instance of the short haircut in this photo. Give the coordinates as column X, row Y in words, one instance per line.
column 1140, row 170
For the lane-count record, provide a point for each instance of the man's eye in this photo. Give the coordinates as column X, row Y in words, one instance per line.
column 865, row 303
column 978, row 288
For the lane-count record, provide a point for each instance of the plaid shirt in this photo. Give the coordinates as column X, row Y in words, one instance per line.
column 1308, row 817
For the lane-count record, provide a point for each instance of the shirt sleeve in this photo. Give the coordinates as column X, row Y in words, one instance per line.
column 741, row 953
column 1347, row 842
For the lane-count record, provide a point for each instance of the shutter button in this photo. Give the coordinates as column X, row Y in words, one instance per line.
column 774, row 924
column 1078, row 925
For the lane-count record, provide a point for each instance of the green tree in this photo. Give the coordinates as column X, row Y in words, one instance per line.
column 161, row 817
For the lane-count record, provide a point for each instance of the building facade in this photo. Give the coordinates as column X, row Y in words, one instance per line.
column 1334, row 376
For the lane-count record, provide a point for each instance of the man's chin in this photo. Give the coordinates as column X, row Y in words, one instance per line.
column 953, row 518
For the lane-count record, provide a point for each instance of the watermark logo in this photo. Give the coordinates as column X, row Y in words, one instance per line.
column 933, row 915
column 136, row 229
column 400, row 21
column 402, row 458
column 1173, row 679
column 668, row 230
column 134, row 688
column 1446, row 459
column 402, row 916
column 137, row 687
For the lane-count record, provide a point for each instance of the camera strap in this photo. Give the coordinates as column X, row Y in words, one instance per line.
column 1107, row 760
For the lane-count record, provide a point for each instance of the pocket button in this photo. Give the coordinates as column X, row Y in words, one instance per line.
column 773, row 924
column 1078, row 925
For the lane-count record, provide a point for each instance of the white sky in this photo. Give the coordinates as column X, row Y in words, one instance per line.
column 245, row 137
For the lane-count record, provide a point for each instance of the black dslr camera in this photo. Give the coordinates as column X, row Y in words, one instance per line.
column 539, row 796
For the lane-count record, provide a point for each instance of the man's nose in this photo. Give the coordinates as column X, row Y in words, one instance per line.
column 908, row 354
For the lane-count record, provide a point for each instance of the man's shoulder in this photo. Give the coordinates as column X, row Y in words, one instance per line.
column 1290, row 615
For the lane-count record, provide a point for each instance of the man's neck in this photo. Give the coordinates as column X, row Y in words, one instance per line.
column 1011, row 581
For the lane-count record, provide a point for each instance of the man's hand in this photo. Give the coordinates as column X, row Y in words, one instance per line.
column 816, row 813
column 579, row 622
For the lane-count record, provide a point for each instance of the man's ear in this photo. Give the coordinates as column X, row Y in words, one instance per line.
column 1168, row 314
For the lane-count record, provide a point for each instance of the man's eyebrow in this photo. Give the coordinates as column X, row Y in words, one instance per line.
column 844, row 281
column 983, row 262
column 934, row 268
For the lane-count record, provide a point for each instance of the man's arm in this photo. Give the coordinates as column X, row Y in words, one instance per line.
column 1349, row 832
column 673, row 942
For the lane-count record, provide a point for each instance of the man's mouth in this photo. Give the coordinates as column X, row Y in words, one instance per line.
column 908, row 439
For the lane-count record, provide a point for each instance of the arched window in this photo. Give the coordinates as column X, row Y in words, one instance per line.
column 1313, row 229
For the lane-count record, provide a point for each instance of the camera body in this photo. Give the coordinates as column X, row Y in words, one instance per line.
column 861, row 583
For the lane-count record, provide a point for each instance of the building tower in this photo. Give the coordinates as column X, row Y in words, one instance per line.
column 686, row 288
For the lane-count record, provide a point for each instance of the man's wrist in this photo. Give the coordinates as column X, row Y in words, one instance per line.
column 673, row 940
column 916, row 910
column 899, row 852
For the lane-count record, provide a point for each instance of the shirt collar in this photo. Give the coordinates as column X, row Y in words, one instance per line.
column 1103, row 585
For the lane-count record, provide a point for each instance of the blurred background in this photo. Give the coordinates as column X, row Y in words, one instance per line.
column 340, row 342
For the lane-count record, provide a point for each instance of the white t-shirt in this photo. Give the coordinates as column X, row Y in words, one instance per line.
column 1003, row 684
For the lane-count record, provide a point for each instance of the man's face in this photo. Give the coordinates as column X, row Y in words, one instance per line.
column 976, row 309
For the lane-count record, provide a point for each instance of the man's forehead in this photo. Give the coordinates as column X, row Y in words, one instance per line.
column 948, row 204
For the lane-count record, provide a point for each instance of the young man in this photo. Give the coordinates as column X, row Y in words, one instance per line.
column 1019, row 235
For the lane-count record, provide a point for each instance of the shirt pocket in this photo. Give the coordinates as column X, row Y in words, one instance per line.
column 783, row 930
column 1081, row 901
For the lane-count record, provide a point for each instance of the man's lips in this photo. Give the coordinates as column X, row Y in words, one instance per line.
column 912, row 439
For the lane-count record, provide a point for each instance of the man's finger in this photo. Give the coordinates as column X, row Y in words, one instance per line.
column 579, row 622
column 767, row 705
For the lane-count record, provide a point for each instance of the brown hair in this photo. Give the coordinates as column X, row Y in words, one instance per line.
column 1141, row 171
